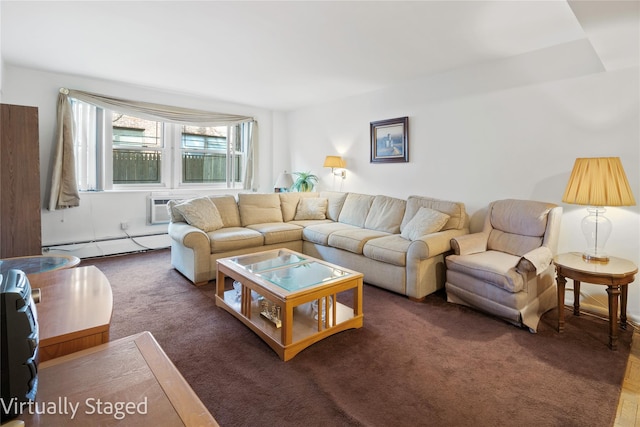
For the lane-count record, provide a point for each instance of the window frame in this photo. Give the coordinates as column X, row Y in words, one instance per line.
column 171, row 156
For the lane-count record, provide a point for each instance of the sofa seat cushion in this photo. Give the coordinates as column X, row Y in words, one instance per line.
column 234, row 238
column 278, row 232
column 496, row 268
column 309, row 222
column 353, row 240
column 320, row 233
column 389, row 249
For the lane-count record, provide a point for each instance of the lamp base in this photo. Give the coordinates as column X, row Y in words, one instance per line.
column 597, row 229
column 600, row 259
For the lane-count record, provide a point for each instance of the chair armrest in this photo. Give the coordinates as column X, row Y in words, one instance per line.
column 536, row 260
column 469, row 243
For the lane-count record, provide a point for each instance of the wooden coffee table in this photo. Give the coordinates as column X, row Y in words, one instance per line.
column 74, row 312
column 289, row 299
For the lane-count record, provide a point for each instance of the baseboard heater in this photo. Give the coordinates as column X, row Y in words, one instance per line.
column 111, row 245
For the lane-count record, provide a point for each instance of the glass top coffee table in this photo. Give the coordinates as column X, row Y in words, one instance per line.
column 289, row 299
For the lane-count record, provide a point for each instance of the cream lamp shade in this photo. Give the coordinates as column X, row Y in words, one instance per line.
column 283, row 183
column 336, row 162
column 597, row 182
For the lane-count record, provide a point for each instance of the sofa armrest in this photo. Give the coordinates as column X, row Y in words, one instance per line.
column 189, row 236
column 434, row 244
column 469, row 243
column 536, row 260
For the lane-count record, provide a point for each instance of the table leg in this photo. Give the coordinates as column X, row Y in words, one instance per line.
column 576, row 297
column 561, row 284
column 623, row 306
column 613, row 292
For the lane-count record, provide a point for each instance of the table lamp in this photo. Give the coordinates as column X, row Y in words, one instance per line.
column 598, row 182
column 283, row 183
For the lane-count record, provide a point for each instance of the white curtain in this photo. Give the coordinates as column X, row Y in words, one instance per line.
column 64, row 187
column 64, row 190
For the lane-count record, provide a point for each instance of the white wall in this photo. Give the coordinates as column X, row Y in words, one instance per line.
column 100, row 214
column 502, row 130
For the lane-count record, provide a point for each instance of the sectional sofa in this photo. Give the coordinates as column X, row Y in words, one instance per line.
column 397, row 244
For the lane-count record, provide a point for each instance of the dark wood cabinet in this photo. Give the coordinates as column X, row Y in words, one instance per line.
column 20, row 206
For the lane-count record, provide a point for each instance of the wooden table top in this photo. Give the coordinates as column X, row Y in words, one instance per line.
column 130, row 381
column 86, row 289
column 616, row 267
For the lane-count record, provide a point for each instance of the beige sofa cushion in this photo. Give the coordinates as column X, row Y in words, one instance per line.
column 389, row 249
column 201, row 213
column 353, row 240
column 336, row 201
column 311, row 208
column 174, row 215
column 355, row 209
column 228, row 208
column 425, row 221
column 518, row 225
column 289, row 203
column 456, row 211
column 320, row 233
column 278, row 232
column 386, row 214
column 493, row 267
column 234, row 238
column 259, row 208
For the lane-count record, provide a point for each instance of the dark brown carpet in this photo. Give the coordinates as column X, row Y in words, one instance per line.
column 418, row 364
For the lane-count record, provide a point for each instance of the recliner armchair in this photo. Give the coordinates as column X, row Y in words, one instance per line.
column 506, row 270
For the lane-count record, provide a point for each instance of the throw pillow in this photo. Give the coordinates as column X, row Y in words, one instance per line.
column 311, row 208
column 201, row 213
column 174, row 215
column 425, row 221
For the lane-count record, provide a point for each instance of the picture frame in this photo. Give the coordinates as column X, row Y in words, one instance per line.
column 390, row 140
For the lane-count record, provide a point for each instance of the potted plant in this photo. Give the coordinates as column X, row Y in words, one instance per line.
column 305, row 181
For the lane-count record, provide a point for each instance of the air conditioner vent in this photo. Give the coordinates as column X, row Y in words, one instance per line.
column 158, row 213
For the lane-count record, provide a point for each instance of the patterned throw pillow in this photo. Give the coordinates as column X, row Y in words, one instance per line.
column 311, row 208
column 201, row 213
column 425, row 221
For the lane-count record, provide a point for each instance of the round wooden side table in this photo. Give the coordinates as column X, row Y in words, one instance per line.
column 615, row 274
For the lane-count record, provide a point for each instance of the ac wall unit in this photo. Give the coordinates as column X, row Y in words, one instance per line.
column 158, row 213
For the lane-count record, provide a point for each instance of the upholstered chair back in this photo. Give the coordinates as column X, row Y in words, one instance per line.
column 519, row 226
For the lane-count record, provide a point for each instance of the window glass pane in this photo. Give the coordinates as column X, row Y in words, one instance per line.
column 201, row 167
column 206, row 138
column 136, row 166
column 129, row 131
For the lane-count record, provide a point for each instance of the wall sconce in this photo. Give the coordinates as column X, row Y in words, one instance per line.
column 336, row 162
column 597, row 182
column 283, row 183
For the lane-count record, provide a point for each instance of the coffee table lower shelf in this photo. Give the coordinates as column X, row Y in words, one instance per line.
column 304, row 329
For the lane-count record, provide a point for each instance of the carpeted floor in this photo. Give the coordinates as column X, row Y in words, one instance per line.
column 418, row 364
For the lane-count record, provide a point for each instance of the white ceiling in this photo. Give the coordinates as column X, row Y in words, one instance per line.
column 283, row 55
